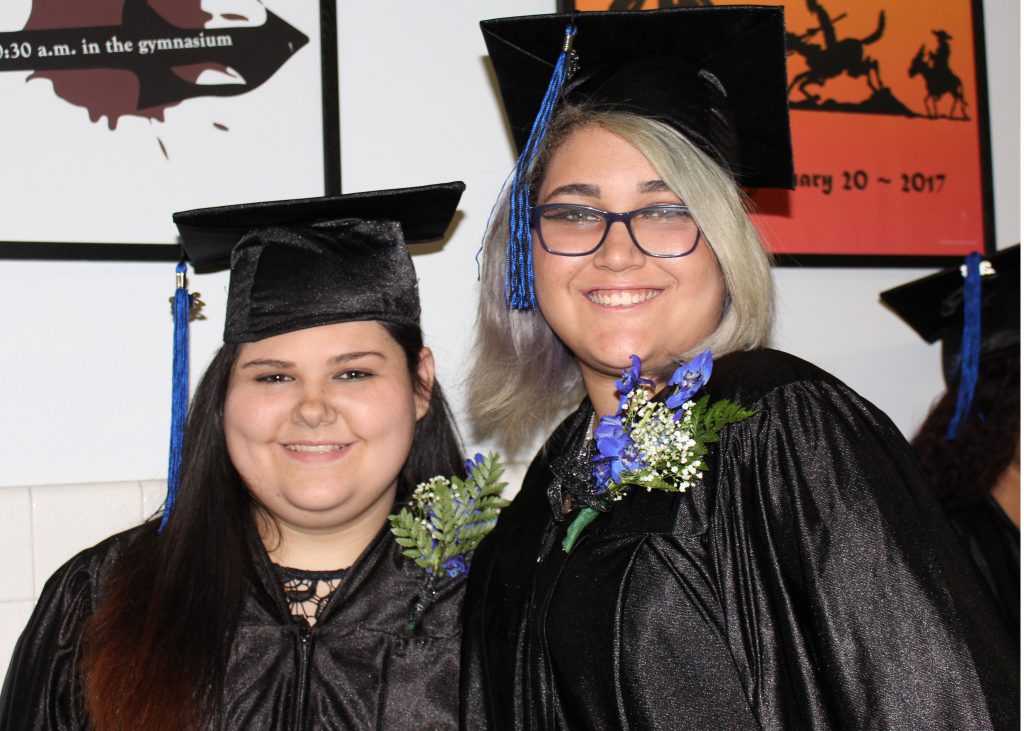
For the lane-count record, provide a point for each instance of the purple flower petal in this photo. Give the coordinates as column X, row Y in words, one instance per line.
column 455, row 566
column 610, row 437
column 629, row 381
column 629, row 376
column 472, row 464
column 602, row 474
column 689, row 378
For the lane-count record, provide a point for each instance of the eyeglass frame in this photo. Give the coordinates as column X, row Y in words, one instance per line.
column 610, row 218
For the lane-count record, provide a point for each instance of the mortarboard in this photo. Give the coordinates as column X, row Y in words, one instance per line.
column 304, row 263
column 717, row 75
column 315, row 261
column 973, row 309
column 697, row 69
column 934, row 307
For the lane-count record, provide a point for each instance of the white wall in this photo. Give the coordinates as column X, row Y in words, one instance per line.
column 86, row 346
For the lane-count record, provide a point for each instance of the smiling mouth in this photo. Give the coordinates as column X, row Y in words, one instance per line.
column 621, row 297
column 315, row 448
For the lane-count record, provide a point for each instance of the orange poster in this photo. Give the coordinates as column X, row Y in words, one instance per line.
column 890, row 133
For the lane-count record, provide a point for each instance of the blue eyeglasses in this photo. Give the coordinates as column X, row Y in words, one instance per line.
column 662, row 231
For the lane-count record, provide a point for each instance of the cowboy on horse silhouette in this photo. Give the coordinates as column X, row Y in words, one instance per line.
column 836, row 56
column 939, row 78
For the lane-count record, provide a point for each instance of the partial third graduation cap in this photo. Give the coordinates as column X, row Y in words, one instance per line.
column 304, row 263
column 934, row 307
column 974, row 309
column 716, row 74
column 316, row 261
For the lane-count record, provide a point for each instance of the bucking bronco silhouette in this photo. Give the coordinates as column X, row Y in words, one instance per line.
column 836, row 56
column 939, row 78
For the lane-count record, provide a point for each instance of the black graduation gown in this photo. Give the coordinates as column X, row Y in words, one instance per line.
column 810, row 583
column 357, row 668
column 993, row 543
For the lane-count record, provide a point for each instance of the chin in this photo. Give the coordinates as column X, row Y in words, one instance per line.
column 617, row 359
column 317, row 510
column 319, row 495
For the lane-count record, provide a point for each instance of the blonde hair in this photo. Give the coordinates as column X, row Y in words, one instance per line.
column 523, row 376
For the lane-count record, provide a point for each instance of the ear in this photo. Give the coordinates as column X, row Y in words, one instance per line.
column 425, row 383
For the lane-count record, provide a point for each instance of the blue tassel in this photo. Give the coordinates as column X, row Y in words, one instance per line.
column 970, row 349
column 519, row 292
column 179, row 389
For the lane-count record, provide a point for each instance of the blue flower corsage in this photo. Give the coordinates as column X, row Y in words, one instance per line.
column 445, row 522
column 652, row 444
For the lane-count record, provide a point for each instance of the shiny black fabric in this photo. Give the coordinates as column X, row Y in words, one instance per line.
column 689, row 99
column 993, row 543
column 358, row 668
column 812, row 582
column 286, row 278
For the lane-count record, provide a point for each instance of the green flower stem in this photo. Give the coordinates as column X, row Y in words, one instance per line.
column 585, row 518
column 644, row 418
column 428, row 592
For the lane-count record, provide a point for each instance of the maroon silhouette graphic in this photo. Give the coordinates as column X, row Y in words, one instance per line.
column 132, row 57
column 939, row 78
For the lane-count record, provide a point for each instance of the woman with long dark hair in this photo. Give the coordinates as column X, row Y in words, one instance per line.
column 274, row 596
column 969, row 443
column 743, row 543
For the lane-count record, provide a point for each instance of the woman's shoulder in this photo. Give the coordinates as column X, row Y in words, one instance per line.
column 108, row 549
column 87, row 568
column 789, row 389
column 811, row 438
column 805, row 417
column 749, row 375
column 44, row 663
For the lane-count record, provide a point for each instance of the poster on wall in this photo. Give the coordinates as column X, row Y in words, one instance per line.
column 119, row 112
column 888, row 109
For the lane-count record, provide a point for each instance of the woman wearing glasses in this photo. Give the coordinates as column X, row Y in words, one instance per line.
column 765, row 557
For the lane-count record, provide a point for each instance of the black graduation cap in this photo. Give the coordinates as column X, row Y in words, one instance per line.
column 934, row 307
column 315, row 261
column 717, row 74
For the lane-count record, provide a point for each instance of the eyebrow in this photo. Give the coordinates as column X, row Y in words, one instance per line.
column 268, row 363
column 576, row 189
column 593, row 191
column 655, row 186
column 347, row 357
column 338, row 359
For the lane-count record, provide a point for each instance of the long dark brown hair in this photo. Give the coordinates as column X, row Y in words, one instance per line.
column 156, row 649
column 967, row 468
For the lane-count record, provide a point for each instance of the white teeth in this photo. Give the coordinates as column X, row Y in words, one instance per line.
column 314, row 448
column 622, row 298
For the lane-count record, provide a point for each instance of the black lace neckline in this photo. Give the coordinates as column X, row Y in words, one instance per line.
column 573, row 484
column 308, row 592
